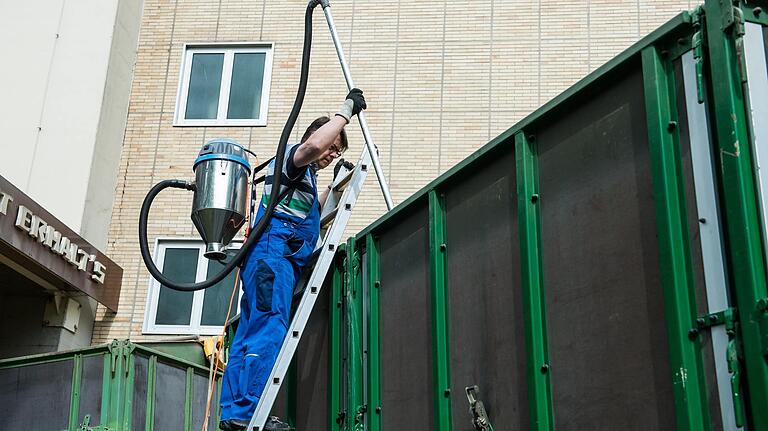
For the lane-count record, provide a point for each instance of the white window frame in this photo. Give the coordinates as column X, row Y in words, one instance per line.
column 153, row 294
column 229, row 50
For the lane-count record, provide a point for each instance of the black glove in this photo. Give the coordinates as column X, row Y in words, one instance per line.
column 356, row 96
column 353, row 104
column 338, row 166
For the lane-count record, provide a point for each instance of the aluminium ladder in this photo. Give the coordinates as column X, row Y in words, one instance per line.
column 337, row 210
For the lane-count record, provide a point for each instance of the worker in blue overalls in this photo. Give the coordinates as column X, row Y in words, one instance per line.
column 274, row 264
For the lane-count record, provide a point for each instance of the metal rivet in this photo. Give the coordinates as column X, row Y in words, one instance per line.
column 693, row 333
column 378, row 409
column 545, row 369
column 534, row 198
column 757, row 11
column 447, row 392
column 313, row 289
column 330, row 247
column 700, row 321
column 276, row 380
column 348, row 207
column 364, row 168
column 681, row 41
column 702, row 220
column 295, row 334
column 443, row 247
column 376, row 284
column 713, row 318
column 338, row 304
column 672, row 125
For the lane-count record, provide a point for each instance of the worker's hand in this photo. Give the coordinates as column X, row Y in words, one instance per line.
column 354, row 103
column 338, row 166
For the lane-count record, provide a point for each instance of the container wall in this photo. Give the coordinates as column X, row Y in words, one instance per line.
column 312, row 384
column 27, row 390
column 487, row 344
column 605, row 313
column 140, row 391
column 170, row 397
column 92, row 388
column 406, row 325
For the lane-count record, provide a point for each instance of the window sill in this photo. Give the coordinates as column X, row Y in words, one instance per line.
column 217, row 123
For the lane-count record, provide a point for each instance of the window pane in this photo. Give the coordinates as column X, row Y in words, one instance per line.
column 245, row 90
column 217, row 296
column 174, row 307
column 204, row 86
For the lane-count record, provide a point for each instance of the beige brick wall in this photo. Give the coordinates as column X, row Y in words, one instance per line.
column 441, row 79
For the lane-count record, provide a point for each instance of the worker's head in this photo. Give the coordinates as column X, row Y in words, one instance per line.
column 339, row 145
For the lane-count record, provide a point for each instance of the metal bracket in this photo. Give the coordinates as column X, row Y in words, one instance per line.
column 480, row 419
column 85, row 426
column 697, row 42
column 726, row 317
column 726, row 14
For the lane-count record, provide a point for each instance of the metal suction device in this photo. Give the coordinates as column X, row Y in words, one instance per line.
column 221, row 193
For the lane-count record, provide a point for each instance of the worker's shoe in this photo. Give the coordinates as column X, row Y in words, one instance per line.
column 232, row 425
column 275, row 424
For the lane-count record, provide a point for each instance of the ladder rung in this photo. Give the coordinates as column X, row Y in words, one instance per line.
column 325, row 221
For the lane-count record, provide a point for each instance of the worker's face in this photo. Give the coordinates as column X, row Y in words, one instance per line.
column 332, row 153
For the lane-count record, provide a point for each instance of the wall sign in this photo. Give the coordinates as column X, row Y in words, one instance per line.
column 30, row 236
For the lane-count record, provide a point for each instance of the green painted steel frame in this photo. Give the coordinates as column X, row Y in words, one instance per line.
column 534, row 310
column 746, row 260
column 374, row 328
column 74, row 399
column 441, row 353
column 689, row 385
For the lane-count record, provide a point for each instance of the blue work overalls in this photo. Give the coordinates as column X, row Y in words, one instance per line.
column 269, row 274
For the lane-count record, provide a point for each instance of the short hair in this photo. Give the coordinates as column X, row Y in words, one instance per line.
column 319, row 121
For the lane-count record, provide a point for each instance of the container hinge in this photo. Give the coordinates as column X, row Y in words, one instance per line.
column 360, row 413
column 697, row 42
column 726, row 317
column 480, row 419
column 734, row 368
column 85, row 426
column 739, row 30
column 340, row 416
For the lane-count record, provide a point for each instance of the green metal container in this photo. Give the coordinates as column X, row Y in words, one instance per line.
column 600, row 265
column 120, row 386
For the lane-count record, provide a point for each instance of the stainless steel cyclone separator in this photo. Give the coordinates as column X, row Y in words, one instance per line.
column 221, row 195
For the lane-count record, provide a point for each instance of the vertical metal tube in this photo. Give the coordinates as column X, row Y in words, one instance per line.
column 361, row 116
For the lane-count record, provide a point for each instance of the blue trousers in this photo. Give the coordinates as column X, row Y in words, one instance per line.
column 269, row 274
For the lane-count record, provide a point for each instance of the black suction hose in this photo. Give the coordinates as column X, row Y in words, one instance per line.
column 274, row 198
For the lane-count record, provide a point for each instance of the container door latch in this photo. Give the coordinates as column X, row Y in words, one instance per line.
column 479, row 417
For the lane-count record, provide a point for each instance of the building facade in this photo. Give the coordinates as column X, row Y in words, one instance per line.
column 441, row 79
column 65, row 85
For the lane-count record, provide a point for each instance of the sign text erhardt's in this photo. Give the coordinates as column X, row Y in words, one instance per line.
column 52, row 239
